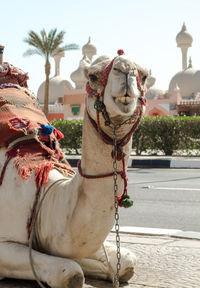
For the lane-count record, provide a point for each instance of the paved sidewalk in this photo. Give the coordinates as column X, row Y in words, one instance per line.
column 163, row 262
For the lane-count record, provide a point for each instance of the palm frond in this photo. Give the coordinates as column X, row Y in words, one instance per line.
column 51, row 37
column 47, row 45
column 30, row 52
column 71, row 46
column 34, row 40
column 58, row 40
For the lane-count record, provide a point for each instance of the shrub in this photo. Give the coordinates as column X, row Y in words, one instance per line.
column 166, row 134
column 72, row 131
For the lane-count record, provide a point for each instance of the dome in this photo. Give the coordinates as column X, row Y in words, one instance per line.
column 78, row 76
column 183, row 37
column 187, row 80
column 89, row 49
column 154, row 93
column 58, row 87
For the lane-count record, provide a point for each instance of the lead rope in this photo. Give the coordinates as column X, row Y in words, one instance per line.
column 118, row 266
column 30, row 242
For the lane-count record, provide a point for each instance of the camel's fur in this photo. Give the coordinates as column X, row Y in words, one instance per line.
column 76, row 215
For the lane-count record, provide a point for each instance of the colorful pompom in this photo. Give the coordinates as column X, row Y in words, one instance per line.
column 47, row 129
column 125, row 201
column 120, row 52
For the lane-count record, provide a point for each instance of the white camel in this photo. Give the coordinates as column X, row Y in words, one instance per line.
column 77, row 213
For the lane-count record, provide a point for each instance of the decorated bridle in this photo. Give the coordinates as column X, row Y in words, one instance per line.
column 124, row 199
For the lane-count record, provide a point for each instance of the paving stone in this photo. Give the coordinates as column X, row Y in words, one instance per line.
column 163, row 262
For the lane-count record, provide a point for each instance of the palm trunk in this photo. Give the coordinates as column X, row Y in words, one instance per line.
column 46, row 96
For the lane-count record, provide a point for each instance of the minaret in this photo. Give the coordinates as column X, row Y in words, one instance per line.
column 184, row 41
column 78, row 77
column 1, row 54
column 89, row 50
column 57, row 57
column 190, row 62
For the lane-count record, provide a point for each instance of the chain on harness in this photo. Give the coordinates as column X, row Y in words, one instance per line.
column 117, row 152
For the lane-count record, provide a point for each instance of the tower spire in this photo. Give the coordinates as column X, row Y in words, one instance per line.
column 184, row 41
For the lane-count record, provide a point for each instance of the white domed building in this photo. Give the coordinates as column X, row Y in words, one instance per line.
column 66, row 101
column 183, row 93
column 188, row 81
column 58, row 87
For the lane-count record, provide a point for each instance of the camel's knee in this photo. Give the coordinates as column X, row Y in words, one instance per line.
column 127, row 261
column 103, row 266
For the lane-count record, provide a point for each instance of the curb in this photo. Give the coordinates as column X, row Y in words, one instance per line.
column 144, row 231
column 152, row 162
column 149, row 163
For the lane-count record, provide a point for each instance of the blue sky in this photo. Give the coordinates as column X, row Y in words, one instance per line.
column 144, row 29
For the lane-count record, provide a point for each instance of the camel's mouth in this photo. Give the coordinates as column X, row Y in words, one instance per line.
column 125, row 103
column 125, row 99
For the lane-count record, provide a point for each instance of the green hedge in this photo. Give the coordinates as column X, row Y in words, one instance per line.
column 72, row 131
column 166, row 134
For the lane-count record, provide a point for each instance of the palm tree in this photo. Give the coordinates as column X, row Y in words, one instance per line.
column 47, row 46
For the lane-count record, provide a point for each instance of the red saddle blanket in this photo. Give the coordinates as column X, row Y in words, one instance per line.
column 19, row 115
column 22, row 125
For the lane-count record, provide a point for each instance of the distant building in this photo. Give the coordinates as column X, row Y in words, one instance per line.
column 66, row 101
column 182, row 97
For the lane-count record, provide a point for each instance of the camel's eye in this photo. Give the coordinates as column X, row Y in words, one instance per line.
column 93, row 77
column 117, row 70
column 144, row 79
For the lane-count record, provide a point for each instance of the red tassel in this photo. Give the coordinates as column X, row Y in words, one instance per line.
column 59, row 135
column 42, row 174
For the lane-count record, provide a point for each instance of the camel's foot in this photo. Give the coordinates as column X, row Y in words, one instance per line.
column 75, row 280
column 55, row 271
column 97, row 266
column 66, row 274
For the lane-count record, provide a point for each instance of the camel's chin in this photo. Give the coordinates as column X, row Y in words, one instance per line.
column 125, row 108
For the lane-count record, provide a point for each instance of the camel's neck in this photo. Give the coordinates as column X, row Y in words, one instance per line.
column 96, row 154
column 87, row 204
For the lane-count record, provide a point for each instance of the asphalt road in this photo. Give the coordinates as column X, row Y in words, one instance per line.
column 163, row 198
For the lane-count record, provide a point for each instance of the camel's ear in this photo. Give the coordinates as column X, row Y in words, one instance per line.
column 142, row 73
column 85, row 71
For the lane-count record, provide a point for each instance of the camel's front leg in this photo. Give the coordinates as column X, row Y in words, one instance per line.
column 97, row 265
column 55, row 271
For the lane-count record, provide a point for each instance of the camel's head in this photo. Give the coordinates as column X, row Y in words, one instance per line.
column 121, row 81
